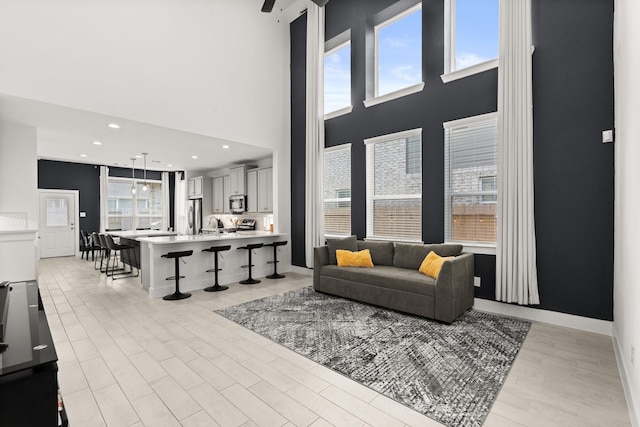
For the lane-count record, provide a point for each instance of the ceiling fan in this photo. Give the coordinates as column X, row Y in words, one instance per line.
column 268, row 4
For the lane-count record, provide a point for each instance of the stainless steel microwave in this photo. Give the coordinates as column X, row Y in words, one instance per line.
column 238, row 204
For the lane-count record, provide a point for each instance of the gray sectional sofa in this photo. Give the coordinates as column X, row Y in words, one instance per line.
column 395, row 282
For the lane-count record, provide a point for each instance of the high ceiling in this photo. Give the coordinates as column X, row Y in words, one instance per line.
column 166, row 72
column 68, row 134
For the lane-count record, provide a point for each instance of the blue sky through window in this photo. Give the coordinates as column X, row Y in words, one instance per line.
column 400, row 54
column 337, row 79
column 476, row 35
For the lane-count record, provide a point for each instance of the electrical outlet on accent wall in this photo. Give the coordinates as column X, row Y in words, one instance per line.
column 476, row 281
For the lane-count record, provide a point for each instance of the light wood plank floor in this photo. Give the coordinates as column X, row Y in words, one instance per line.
column 127, row 360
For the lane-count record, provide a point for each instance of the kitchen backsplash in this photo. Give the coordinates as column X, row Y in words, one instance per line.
column 262, row 220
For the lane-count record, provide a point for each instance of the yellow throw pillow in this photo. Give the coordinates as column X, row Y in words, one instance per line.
column 432, row 264
column 354, row 259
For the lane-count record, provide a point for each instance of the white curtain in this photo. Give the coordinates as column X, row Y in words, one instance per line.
column 165, row 200
column 516, row 273
column 180, row 197
column 104, row 207
column 314, row 203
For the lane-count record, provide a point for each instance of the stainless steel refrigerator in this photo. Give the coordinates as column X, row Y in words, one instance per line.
column 194, row 216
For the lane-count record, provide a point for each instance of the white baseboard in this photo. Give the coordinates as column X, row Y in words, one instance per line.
column 628, row 392
column 302, row 270
column 604, row 327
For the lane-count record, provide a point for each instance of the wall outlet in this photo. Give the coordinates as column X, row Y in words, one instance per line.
column 633, row 356
column 476, row 281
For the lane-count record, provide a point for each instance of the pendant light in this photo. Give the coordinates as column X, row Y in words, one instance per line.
column 133, row 177
column 145, row 187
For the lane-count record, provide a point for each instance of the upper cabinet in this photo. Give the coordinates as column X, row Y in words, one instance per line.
column 218, row 195
column 237, row 181
column 226, row 191
column 195, row 187
column 252, row 191
column 265, row 190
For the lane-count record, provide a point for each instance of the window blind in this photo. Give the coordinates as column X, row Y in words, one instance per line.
column 337, row 190
column 471, row 179
column 394, row 186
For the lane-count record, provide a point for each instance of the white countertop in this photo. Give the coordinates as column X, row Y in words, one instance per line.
column 134, row 234
column 166, row 240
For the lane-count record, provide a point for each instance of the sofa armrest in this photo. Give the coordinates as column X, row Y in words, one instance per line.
column 320, row 259
column 454, row 288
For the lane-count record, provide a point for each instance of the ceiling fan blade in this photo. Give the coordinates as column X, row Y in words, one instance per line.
column 268, row 5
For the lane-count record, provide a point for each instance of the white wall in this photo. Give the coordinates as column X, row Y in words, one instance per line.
column 627, row 197
column 19, row 172
column 211, row 67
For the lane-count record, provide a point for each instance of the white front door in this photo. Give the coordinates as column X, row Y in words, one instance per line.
column 57, row 224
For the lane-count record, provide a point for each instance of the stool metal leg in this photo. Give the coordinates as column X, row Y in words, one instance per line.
column 216, row 287
column 177, row 294
column 250, row 280
column 275, row 274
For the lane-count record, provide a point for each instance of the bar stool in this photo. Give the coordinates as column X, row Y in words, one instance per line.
column 215, row 249
column 177, row 294
column 250, row 248
column 275, row 274
column 115, row 248
column 105, row 252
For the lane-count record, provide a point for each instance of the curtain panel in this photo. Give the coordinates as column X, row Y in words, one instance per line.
column 314, row 200
column 516, row 272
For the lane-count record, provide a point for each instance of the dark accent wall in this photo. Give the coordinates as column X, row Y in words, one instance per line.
column 298, row 31
column 56, row 175
column 573, row 170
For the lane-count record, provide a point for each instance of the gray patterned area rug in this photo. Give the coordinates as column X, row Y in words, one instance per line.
column 450, row 373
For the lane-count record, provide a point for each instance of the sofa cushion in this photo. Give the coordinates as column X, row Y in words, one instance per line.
column 383, row 276
column 406, row 255
column 348, row 243
column 381, row 252
column 354, row 259
column 432, row 264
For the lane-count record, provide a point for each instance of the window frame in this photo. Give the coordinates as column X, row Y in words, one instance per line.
column 408, row 90
column 342, row 147
column 370, row 194
column 134, row 200
column 331, row 46
column 477, row 247
column 450, row 71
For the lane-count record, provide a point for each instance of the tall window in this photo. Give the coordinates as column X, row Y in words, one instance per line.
column 471, row 179
column 398, row 44
column 337, row 73
column 394, row 186
column 127, row 211
column 337, row 190
column 471, row 37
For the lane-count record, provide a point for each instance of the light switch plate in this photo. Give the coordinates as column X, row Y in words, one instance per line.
column 476, row 281
column 607, row 136
column 83, row 214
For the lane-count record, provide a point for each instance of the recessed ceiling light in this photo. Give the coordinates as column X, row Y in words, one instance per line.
column 83, row 155
column 114, row 126
column 170, row 166
column 138, row 156
column 194, row 157
column 97, row 143
column 225, row 146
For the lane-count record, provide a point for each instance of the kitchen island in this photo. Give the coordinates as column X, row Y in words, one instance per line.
column 155, row 269
column 130, row 238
